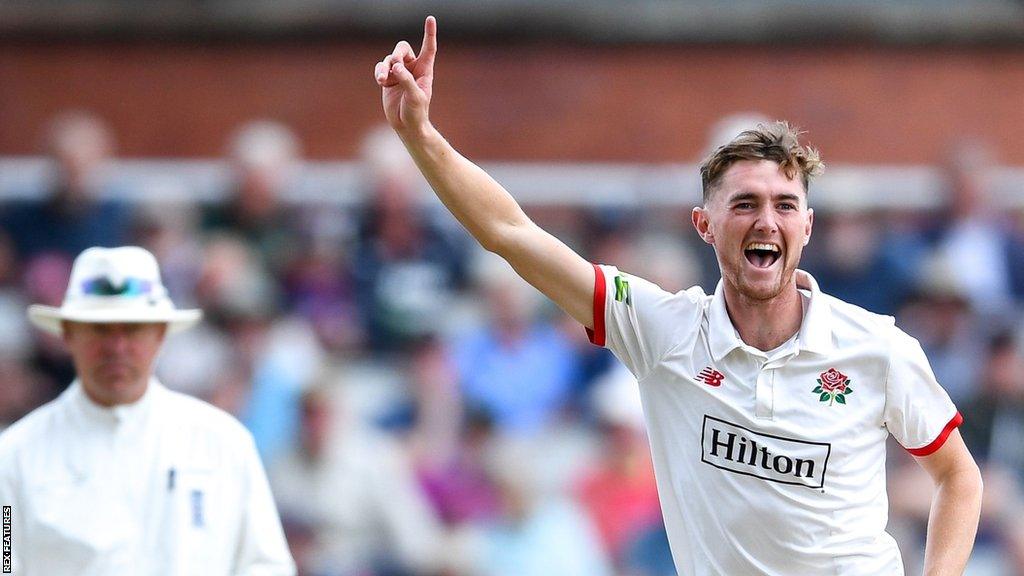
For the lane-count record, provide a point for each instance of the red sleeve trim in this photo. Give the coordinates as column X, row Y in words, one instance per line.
column 597, row 335
column 938, row 442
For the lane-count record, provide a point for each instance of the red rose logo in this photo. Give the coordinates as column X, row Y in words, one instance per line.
column 833, row 381
column 833, row 386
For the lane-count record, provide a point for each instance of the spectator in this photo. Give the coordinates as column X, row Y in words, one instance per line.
column 974, row 235
column 72, row 212
column 620, row 492
column 263, row 156
column 273, row 355
column 996, row 424
column 540, row 533
column 448, row 443
column 357, row 491
column 319, row 284
column 855, row 263
column 516, row 367
column 938, row 314
column 408, row 267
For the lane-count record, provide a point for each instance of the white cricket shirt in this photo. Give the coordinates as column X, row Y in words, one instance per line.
column 772, row 463
column 166, row 486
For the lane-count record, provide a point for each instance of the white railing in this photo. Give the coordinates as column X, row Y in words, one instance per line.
column 843, row 187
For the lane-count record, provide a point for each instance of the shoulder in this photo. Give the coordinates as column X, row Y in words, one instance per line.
column 686, row 307
column 204, row 419
column 694, row 295
column 33, row 428
column 874, row 336
column 624, row 287
column 852, row 321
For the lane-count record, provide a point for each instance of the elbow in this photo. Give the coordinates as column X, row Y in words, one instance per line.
column 962, row 482
column 977, row 492
column 978, row 482
column 502, row 240
column 493, row 243
column 973, row 475
column 970, row 484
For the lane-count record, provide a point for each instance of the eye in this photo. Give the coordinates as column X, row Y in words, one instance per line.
column 744, row 205
column 787, row 206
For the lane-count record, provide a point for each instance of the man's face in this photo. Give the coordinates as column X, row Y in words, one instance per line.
column 114, row 361
column 758, row 221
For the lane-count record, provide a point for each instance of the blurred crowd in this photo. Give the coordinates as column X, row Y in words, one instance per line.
column 423, row 412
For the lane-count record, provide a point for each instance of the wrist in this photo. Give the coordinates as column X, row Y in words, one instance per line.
column 424, row 143
column 419, row 135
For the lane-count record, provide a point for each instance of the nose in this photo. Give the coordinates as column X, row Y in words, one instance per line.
column 766, row 222
column 116, row 341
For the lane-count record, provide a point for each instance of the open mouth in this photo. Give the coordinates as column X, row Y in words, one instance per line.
column 762, row 254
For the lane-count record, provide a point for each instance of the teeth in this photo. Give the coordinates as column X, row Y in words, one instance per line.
column 762, row 246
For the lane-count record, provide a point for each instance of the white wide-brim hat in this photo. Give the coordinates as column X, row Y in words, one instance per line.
column 114, row 285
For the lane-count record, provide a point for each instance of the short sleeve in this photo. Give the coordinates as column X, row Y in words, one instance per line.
column 918, row 412
column 639, row 321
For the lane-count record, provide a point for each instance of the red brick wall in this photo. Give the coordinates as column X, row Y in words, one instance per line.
column 526, row 102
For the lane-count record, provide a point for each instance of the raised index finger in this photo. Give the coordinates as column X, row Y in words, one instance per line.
column 429, row 47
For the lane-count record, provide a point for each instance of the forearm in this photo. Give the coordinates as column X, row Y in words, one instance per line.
column 953, row 523
column 476, row 200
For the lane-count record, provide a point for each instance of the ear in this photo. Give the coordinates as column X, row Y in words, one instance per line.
column 700, row 220
column 809, row 225
column 65, row 331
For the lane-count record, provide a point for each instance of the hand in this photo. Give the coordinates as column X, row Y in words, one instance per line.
column 407, row 82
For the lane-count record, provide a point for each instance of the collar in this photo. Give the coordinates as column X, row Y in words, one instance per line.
column 114, row 415
column 815, row 330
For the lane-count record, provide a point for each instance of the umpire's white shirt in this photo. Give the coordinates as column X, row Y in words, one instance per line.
column 772, row 462
column 166, row 486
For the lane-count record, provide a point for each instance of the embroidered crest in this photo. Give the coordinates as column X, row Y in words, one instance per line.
column 833, row 386
column 198, row 515
column 711, row 377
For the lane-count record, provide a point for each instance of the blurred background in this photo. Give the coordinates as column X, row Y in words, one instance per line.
column 421, row 411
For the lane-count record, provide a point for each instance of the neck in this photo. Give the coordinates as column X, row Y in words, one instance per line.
column 106, row 397
column 765, row 324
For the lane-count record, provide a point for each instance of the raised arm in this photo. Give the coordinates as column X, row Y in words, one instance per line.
column 486, row 209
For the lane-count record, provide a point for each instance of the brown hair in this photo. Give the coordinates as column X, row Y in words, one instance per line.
column 776, row 141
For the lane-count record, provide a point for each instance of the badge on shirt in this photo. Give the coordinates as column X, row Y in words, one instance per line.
column 198, row 518
column 622, row 290
column 833, row 386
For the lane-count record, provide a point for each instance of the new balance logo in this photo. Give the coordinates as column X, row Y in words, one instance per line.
column 740, row 450
column 711, row 377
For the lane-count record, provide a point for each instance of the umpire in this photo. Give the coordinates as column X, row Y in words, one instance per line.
column 120, row 475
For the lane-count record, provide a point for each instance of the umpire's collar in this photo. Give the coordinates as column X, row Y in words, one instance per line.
column 119, row 415
column 815, row 329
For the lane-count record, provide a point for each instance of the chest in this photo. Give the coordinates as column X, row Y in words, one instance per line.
column 105, row 497
column 787, row 419
column 797, row 391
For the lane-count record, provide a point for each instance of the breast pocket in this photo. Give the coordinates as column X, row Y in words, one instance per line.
column 201, row 525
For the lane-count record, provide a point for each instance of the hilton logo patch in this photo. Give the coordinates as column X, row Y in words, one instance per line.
column 733, row 448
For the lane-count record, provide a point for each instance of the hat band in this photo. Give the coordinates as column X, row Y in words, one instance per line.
column 117, row 303
column 104, row 286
